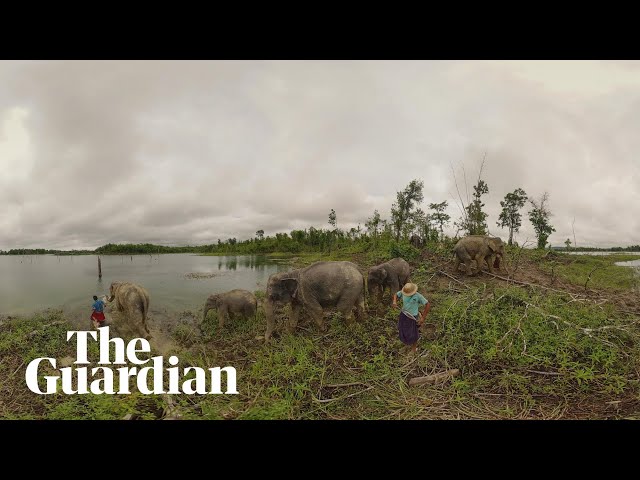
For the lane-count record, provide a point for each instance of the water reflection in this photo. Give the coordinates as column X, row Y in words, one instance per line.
column 174, row 281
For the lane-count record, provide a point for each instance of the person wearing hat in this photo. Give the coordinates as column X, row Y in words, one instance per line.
column 410, row 317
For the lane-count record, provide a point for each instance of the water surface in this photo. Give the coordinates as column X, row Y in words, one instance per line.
column 176, row 282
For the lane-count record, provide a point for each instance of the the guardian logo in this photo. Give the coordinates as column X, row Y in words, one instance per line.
column 112, row 381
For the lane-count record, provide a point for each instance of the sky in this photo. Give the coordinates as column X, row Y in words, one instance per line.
column 189, row 152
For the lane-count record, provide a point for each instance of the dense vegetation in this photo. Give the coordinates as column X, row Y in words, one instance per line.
column 563, row 342
column 296, row 241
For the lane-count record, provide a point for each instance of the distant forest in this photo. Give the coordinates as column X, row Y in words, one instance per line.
column 298, row 241
column 406, row 222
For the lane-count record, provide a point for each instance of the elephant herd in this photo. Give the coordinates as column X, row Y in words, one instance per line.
column 338, row 285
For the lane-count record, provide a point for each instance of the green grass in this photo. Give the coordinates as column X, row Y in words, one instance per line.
column 604, row 273
column 44, row 335
column 522, row 352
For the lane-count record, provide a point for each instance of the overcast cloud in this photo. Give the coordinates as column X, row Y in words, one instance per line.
column 182, row 152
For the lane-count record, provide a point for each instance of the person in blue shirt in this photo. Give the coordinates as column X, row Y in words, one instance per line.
column 410, row 317
column 97, row 313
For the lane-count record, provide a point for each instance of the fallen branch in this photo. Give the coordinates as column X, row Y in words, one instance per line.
column 453, row 278
column 327, row 400
column 545, row 373
column 337, row 385
column 435, row 377
column 16, row 370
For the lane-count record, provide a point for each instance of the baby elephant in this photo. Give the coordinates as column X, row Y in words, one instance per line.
column 236, row 301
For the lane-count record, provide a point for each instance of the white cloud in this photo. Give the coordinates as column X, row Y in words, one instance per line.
column 189, row 152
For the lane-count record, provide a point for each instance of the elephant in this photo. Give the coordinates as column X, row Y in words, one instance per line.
column 416, row 241
column 482, row 249
column 237, row 301
column 393, row 274
column 133, row 301
column 321, row 285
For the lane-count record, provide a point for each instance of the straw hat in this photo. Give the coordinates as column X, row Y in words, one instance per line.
column 409, row 289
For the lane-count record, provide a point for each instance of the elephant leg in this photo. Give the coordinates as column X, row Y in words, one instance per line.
column 315, row 311
column 223, row 314
column 135, row 316
column 394, row 285
column 467, row 266
column 489, row 260
column 269, row 313
column 296, row 308
column 479, row 261
column 360, row 310
column 345, row 307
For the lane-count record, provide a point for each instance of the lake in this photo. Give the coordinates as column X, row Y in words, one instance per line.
column 631, row 263
column 601, row 253
column 175, row 282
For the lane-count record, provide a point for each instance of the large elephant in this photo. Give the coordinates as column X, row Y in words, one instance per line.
column 338, row 285
column 239, row 302
column 482, row 249
column 416, row 241
column 393, row 274
column 133, row 302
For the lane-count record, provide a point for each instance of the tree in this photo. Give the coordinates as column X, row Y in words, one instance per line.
column 333, row 220
column 567, row 242
column 373, row 223
column 477, row 218
column 510, row 216
column 539, row 216
column 421, row 224
column 438, row 217
column 260, row 234
column 403, row 207
column 473, row 219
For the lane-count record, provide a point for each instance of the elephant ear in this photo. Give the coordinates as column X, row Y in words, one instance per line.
column 384, row 273
column 291, row 286
column 493, row 245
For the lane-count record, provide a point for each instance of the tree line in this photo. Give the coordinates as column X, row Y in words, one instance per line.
column 406, row 220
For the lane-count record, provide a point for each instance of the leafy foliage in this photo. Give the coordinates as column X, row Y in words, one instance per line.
column 540, row 216
column 510, row 215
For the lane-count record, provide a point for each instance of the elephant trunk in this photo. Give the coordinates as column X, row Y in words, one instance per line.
column 206, row 310
column 270, row 316
column 372, row 288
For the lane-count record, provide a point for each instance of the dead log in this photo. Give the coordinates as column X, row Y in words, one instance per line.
column 435, row 377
